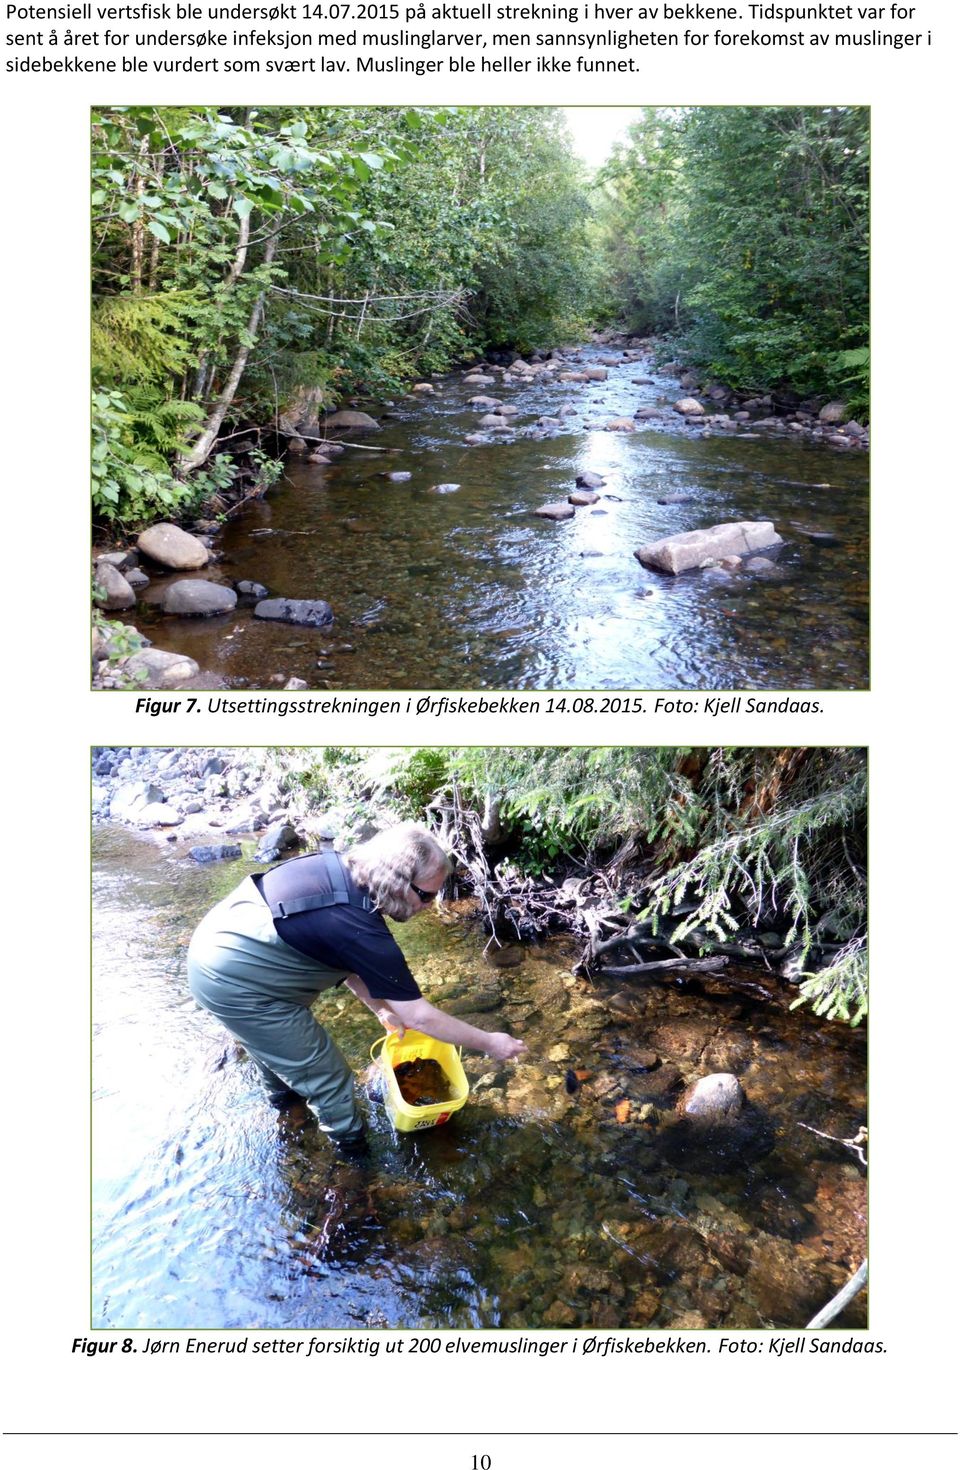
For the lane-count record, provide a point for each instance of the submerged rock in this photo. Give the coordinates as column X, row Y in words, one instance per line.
column 691, row 549
column 219, row 852
column 252, row 589
column 172, row 547
column 198, row 599
column 309, row 612
column 718, row 1098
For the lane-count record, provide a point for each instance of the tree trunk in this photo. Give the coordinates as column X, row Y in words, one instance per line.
column 199, row 452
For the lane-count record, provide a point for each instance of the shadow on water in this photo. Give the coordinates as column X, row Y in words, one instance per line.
column 533, row 1208
column 468, row 589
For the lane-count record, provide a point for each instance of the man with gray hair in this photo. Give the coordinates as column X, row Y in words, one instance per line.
column 263, row 955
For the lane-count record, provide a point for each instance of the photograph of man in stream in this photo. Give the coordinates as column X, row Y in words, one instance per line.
column 654, row 961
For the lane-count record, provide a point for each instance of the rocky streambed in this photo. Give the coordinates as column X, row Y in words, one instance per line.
column 492, row 529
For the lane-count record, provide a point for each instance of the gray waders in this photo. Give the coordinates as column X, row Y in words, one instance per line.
column 262, row 990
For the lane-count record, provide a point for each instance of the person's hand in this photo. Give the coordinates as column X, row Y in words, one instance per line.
column 504, row 1048
column 391, row 1022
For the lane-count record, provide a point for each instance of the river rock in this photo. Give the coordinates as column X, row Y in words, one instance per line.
column 488, row 404
column 219, row 852
column 556, row 510
column 114, row 591
column 759, row 564
column 583, row 497
column 136, row 578
column 397, row 476
column 158, row 814
column 132, row 797
column 718, row 1098
column 172, row 547
column 833, row 413
column 195, row 598
column 423, row 388
column 309, row 612
column 679, row 499
column 155, row 668
column 279, row 838
column 688, row 406
column 351, row 418
column 252, row 589
column 621, row 426
column 590, row 480
column 595, row 375
column 443, row 489
column 480, row 380
column 318, row 457
column 675, row 554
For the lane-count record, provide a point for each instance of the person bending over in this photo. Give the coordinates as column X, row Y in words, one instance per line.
column 259, row 960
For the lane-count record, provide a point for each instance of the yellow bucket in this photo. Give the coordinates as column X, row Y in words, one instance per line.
column 391, row 1050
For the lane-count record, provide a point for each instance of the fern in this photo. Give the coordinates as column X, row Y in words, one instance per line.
column 142, row 338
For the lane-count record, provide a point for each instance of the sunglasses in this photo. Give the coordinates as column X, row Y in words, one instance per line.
column 422, row 894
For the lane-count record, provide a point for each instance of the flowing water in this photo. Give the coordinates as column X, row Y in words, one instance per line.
column 531, row 1208
column 466, row 588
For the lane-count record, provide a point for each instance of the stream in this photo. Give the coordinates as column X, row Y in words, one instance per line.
column 466, row 588
column 531, row 1208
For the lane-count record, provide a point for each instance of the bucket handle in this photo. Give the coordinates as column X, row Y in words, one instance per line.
column 381, row 1039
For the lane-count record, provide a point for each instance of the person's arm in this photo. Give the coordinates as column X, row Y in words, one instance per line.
column 426, row 1018
column 382, row 1009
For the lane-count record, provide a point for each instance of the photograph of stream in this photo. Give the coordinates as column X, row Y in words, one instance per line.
column 654, row 961
column 480, row 398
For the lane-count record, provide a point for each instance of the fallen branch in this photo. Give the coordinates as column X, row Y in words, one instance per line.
column 696, row 966
column 846, row 1294
column 854, row 1143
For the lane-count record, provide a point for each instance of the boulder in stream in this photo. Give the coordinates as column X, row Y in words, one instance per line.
column 219, row 852
column 556, row 510
column 172, row 547
column 621, row 426
column 688, row 406
column 113, row 589
column 718, row 1098
column 155, row 668
column 590, row 480
column 833, row 413
column 583, row 497
column 279, row 838
column 675, row 554
column 351, row 418
column 309, row 612
column 195, row 598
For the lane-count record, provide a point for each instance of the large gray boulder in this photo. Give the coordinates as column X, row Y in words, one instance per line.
column 309, row 612
column 158, row 814
column 692, row 549
column 351, row 418
column 278, row 838
column 172, row 547
column 718, row 1098
column 113, row 589
column 155, row 668
column 198, row 599
column 688, row 406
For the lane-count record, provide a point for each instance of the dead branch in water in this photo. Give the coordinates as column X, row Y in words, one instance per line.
column 845, row 1295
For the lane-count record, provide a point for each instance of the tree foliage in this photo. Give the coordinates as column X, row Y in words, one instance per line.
column 706, row 841
column 240, row 253
column 744, row 232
